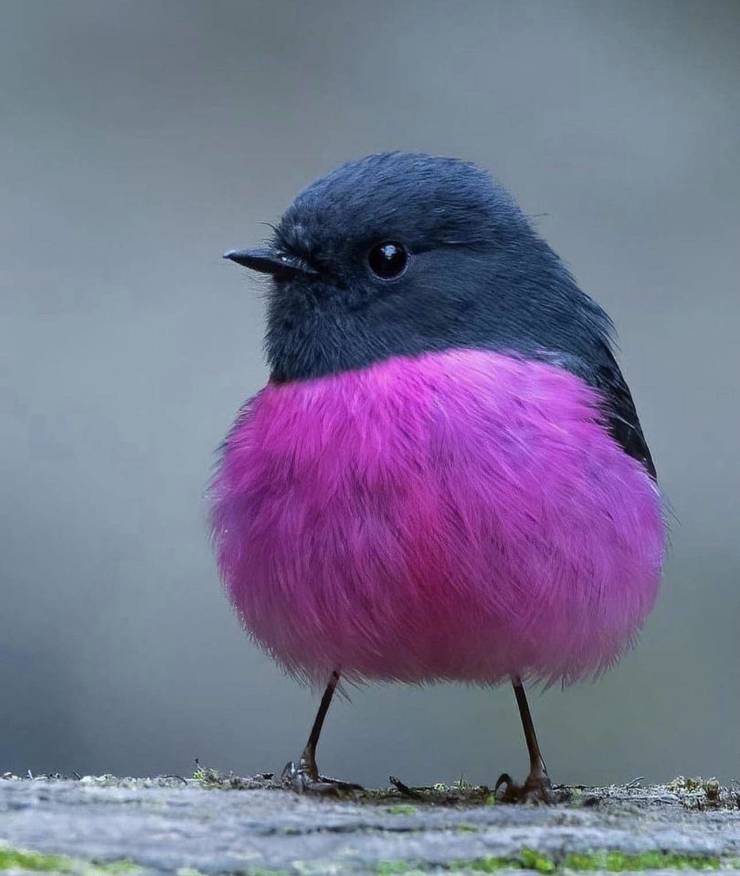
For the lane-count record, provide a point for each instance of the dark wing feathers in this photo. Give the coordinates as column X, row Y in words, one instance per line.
column 604, row 374
column 624, row 423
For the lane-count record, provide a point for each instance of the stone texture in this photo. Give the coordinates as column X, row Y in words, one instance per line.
column 173, row 824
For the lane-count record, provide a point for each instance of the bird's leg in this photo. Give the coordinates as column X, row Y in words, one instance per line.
column 307, row 763
column 304, row 777
column 537, row 788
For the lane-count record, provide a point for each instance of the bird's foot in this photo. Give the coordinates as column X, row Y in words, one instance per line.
column 536, row 789
column 304, row 778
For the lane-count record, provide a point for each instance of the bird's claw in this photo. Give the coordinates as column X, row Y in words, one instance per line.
column 536, row 789
column 304, row 780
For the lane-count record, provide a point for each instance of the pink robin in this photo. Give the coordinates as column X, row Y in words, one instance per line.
column 445, row 477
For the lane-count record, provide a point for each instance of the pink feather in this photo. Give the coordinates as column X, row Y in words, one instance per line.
column 461, row 515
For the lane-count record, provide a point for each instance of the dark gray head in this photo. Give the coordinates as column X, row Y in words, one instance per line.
column 399, row 254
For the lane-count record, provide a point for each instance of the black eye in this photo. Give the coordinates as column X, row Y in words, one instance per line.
column 387, row 260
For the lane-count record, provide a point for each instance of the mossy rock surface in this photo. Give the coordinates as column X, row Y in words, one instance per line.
column 214, row 823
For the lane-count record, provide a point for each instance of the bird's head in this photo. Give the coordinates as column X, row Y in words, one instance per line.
column 400, row 254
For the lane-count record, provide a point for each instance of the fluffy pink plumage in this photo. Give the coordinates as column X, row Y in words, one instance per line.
column 460, row 515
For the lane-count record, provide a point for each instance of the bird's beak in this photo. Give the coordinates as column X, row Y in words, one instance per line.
column 269, row 261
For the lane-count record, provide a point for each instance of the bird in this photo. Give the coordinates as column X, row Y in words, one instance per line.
column 445, row 478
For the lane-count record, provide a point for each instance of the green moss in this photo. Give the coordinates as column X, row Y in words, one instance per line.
column 390, row 868
column 480, row 865
column 528, row 859
column 463, row 827
column 207, row 777
column 618, row 862
column 580, row 861
column 532, row 861
column 402, row 809
column 118, row 867
column 15, row 859
column 24, row 859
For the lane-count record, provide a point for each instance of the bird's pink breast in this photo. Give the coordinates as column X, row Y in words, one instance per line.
column 461, row 515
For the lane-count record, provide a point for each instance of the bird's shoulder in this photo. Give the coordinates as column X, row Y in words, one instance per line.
column 601, row 371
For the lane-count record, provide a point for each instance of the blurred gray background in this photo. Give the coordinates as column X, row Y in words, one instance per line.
column 138, row 141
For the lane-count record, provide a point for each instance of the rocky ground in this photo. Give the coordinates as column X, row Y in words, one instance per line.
column 224, row 824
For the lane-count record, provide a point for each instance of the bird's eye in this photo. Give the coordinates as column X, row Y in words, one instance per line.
column 388, row 260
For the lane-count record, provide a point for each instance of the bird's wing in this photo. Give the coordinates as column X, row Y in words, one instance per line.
column 606, row 376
